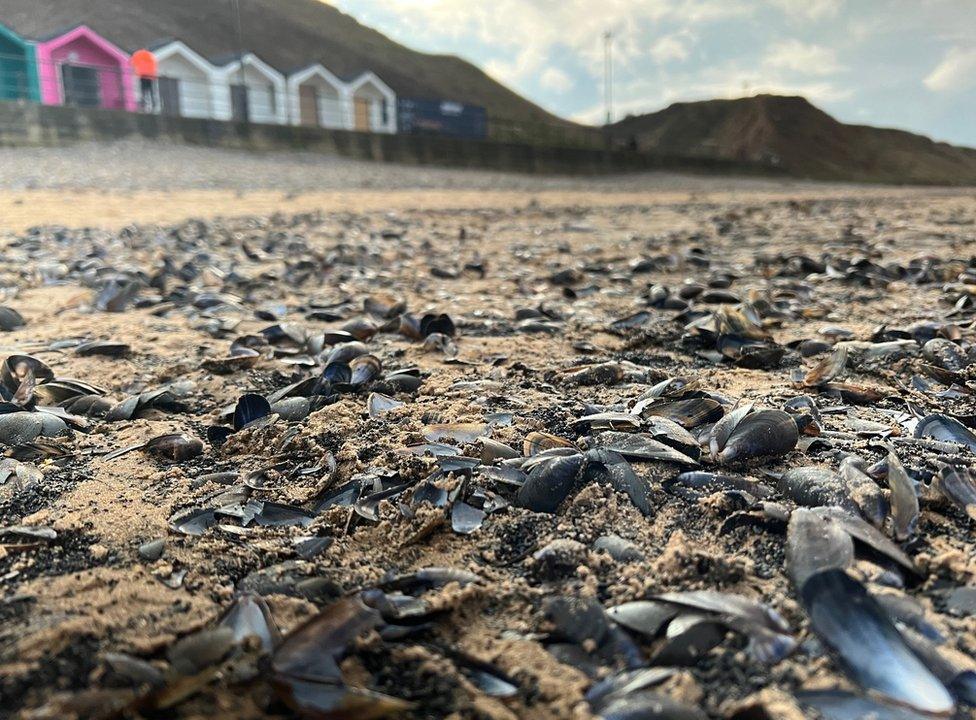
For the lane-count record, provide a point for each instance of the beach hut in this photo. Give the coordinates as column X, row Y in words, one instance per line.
column 187, row 84
column 80, row 67
column 371, row 104
column 316, row 98
column 250, row 90
column 18, row 67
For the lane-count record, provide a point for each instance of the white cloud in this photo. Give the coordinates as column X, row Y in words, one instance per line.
column 671, row 47
column 556, row 80
column 523, row 34
column 956, row 72
column 801, row 58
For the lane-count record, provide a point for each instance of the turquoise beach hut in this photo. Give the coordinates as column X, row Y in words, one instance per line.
column 18, row 67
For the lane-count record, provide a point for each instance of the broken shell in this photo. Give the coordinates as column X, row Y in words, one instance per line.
column 958, row 484
column 946, row 429
column 904, row 501
column 535, row 442
column 864, row 491
column 641, row 447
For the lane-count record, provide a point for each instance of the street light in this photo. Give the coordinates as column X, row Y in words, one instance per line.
column 608, row 74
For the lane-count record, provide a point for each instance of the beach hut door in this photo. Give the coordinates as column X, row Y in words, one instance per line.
column 361, row 107
column 81, row 86
column 308, row 99
column 238, row 102
column 169, row 96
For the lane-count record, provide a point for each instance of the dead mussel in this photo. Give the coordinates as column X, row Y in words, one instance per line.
column 761, row 433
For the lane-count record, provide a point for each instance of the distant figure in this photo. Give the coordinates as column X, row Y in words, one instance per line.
column 145, row 67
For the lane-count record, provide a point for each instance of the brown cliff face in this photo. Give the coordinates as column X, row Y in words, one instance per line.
column 796, row 135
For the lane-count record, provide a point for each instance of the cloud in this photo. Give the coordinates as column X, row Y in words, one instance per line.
column 555, row 80
column 671, row 47
column 956, row 72
column 845, row 55
column 801, row 58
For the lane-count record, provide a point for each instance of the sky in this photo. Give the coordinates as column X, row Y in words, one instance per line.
column 909, row 64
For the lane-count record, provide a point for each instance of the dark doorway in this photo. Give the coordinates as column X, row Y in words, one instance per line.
column 169, row 96
column 239, row 103
column 308, row 98
column 81, row 86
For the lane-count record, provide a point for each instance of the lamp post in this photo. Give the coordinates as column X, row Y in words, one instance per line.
column 608, row 74
column 245, row 110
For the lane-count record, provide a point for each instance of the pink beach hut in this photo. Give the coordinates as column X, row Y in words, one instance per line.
column 81, row 68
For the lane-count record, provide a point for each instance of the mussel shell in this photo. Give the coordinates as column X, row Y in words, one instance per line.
column 436, row 323
column 946, row 429
column 958, row 484
column 365, row 369
column 250, row 408
column 815, row 543
column 20, row 428
column 337, row 373
column 904, row 501
column 646, row 617
column 378, row 403
column 864, row 491
column 843, row 705
column 90, row 405
column 550, row 483
column 875, row 656
column 105, row 348
column 605, row 465
column 404, row 382
column 946, row 354
column 812, row 486
column 10, row 319
column 751, row 354
column 174, row 447
column 764, row 433
column 16, row 368
column 647, row 705
column 536, row 442
column 360, row 328
column 346, row 352
column 384, row 307
column 250, row 616
column 689, row 412
column 642, row 447
column 827, row 369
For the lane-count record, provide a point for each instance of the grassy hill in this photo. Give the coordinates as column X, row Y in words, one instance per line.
column 796, row 135
column 288, row 34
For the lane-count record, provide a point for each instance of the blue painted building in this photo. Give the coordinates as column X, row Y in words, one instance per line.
column 18, row 67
